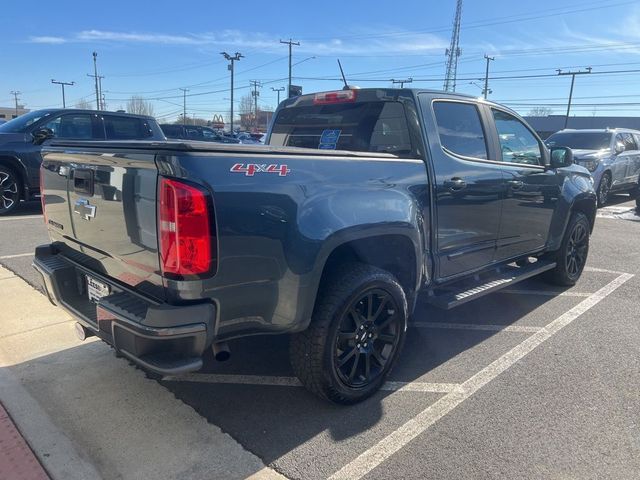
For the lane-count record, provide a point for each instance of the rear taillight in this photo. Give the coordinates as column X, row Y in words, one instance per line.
column 339, row 96
column 185, row 234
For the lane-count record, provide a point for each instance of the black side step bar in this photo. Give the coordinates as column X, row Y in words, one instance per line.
column 508, row 275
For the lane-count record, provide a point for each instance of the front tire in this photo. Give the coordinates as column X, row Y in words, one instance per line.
column 9, row 190
column 571, row 257
column 604, row 188
column 356, row 333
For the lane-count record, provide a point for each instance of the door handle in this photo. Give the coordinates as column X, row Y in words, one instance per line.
column 515, row 184
column 455, row 183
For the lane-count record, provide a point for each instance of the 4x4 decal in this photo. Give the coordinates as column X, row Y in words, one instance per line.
column 250, row 169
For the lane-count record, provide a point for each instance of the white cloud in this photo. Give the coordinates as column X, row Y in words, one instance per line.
column 234, row 39
column 46, row 39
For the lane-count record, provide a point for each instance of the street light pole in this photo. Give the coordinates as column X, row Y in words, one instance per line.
column 231, row 60
column 62, row 84
column 573, row 81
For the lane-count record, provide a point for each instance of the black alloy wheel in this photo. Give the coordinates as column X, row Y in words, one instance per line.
column 369, row 333
column 9, row 191
column 604, row 189
column 577, row 249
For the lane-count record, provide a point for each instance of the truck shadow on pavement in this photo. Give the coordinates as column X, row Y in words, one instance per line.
column 274, row 421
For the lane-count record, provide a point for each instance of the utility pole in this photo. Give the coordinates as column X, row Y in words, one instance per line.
column 485, row 90
column 15, row 94
column 62, row 84
column 95, row 77
column 402, row 82
column 184, row 105
column 100, row 77
column 573, row 81
column 453, row 52
column 291, row 43
column 279, row 89
column 231, row 60
column 255, row 84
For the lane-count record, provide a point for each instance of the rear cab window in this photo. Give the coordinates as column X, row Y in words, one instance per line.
column 366, row 126
column 460, row 129
column 126, row 128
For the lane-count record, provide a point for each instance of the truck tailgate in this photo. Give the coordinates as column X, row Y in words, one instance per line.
column 101, row 209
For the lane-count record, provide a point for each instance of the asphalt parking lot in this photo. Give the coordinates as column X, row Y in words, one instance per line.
column 532, row 382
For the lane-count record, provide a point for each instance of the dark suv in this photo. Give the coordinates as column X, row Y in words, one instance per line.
column 195, row 132
column 21, row 139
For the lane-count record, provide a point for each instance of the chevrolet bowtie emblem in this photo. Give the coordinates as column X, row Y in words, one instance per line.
column 84, row 209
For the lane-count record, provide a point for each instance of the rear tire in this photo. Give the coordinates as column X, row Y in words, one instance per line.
column 604, row 188
column 356, row 333
column 571, row 257
column 10, row 188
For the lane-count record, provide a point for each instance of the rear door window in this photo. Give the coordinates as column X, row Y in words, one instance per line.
column 172, row 131
column 460, row 129
column 73, row 126
column 126, row 128
column 193, row 133
column 366, row 126
column 629, row 142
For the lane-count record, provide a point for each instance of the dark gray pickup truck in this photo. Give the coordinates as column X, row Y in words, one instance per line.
column 167, row 249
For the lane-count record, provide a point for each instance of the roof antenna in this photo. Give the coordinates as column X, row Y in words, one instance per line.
column 344, row 79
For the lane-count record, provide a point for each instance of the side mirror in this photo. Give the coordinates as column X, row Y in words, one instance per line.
column 561, row 157
column 42, row 134
column 619, row 148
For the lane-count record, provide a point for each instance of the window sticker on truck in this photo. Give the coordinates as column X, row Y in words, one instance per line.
column 329, row 139
column 252, row 168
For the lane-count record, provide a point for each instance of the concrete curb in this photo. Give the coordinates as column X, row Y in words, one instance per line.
column 53, row 448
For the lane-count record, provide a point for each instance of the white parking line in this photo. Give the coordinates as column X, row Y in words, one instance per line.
column 393, row 442
column 602, row 270
column 425, row 387
column 548, row 293
column 21, row 217
column 473, row 326
column 7, row 257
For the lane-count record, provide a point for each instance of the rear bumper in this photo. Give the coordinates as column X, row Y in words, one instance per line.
column 162, row 338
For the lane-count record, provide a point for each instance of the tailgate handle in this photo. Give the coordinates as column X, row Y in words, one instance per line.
column 83, row 181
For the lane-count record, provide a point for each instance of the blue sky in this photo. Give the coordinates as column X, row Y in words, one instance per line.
column 151, row 49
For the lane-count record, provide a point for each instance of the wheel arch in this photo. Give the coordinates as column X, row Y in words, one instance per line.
column 393, row 252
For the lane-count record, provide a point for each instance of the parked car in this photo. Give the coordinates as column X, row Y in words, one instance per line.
column 195, row 132
column 612, row 156
column 21, row 139
column 395, row 192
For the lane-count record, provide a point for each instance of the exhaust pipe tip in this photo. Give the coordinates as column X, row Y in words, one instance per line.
column 221, row 351
column 82, row 332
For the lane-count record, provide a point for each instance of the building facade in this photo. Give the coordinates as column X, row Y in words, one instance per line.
column 546, row 126
column 9, row 113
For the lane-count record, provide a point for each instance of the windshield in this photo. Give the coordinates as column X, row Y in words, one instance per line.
column 580, row 140
column 21, row 123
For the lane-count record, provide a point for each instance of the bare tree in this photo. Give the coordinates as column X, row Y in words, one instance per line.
column 245, row 110
column 84, row 104
column 139, row 106
column 540, row 112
